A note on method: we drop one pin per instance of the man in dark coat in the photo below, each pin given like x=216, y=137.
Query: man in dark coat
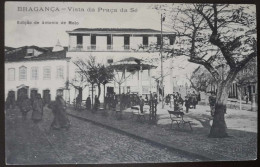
x=187, y=103
x=97, y=103
x=25, y=106
x=88, y=103
x=141, y=104
x=59, y=110
x=10, y=101
x=37, y=109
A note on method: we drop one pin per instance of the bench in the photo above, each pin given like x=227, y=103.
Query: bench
x=177, y=116
x=136, y=112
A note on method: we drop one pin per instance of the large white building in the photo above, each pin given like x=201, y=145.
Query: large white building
x=32, y=69
x=110, y=45
x=46, y=70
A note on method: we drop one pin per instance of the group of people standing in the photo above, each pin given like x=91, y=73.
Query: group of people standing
x=176, y=102
x=123, y=101
x=36, y=105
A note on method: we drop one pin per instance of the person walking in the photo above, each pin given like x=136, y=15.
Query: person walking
x=171, y=101
x=97, y=103
x=37, y=109
x=187, y=103
x=25, y=106
x=10, y=101
x=141, y=104
x=88, y=103
x=246, y=98
x=58, y=107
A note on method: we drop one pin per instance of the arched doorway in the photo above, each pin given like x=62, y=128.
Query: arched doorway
x=22, y=92
x=46, y=96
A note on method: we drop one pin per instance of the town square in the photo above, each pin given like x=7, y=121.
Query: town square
x=142, y=83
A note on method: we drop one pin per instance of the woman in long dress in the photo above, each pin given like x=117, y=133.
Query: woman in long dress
x=60, y=117
x=37, y=109
x=25, y=106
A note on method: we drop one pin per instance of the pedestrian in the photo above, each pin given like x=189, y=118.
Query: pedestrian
x=194, y=100
x=155, y=101
x=187, y=103
x=88, y=103
x=10, y=101
x=25, y=106
x=37, y=108
x=172, y=101
x=246, y=98
x=146, y=99
x=167, y=99
x=141, y=104
x=96, y=104
x=58, y=107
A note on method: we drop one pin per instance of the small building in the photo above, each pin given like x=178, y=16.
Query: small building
x=32, y=69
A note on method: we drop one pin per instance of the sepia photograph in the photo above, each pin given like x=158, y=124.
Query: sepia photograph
x=129, y=83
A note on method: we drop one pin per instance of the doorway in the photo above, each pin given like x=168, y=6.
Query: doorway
x=46, y=96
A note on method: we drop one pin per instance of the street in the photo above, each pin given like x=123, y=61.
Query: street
x=84, y=142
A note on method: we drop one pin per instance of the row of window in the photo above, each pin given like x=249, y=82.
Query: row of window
x=126, y=40
x=35, y=73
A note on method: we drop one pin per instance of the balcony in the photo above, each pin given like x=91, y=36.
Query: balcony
x=109, y=47
x=126, y=48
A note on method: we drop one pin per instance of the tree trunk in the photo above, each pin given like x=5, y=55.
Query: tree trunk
x=240, y=97
x=104, y=91
x=92, y=102
x=99, y=90
x=219, y=128
x=119, y=85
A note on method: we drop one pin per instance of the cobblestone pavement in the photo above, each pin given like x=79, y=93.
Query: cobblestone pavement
x=27, y=143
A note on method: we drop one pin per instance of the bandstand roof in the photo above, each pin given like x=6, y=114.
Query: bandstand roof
x=132, y=64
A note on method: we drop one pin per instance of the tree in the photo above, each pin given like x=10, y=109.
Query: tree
x=95, y=73
x=245, y=76
x=211, y=32
x=119, y=75
x=200, y=79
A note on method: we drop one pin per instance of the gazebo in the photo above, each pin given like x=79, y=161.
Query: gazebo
x=132, y=64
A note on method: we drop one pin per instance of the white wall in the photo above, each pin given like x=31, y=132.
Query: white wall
x=118, y=43
x=72, y=41
x=102, y=57
x=135, y=42
x=101, y=42
x=53, y=84
x=86, y=42
x=152, y=40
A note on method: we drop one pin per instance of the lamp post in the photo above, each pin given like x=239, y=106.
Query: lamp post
x=161, y=50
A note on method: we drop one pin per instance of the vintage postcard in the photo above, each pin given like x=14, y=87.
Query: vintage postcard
x=109, y=83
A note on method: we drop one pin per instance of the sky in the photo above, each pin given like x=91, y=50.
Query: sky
x=17, y=35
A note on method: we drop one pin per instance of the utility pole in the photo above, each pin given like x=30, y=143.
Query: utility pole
x=161, y=51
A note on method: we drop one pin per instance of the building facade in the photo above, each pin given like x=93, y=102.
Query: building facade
x=32, y=69
x=109, y=46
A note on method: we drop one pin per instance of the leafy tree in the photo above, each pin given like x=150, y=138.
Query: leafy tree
x=209, y=34
x=201, y=79
x=94, y=73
